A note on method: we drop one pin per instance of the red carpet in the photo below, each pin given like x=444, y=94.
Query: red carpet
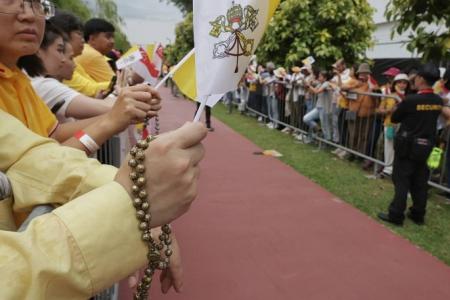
x=261, y=231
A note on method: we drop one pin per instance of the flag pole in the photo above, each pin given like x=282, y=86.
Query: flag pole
x=174, y=69
x=200, y=110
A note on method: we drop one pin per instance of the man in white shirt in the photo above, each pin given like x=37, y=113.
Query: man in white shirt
x=340, y=69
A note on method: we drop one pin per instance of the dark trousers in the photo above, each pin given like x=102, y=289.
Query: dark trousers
x=343, y=127
x=359, y=131
x=258, y=102
x=409, y=176
x=264, y=107
x=208, y=114
x=374, y=135
x=252, y=100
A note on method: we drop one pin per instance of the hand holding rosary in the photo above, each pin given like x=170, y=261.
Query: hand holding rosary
x=159, y=251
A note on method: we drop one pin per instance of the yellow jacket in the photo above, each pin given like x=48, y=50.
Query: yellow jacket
x=387, y=104
x=84, y=84
x=18, y=98
x=79, y=249
x=95, y=64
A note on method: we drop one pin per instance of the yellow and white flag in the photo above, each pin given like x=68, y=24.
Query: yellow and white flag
x=226, y=34
x=184, y=76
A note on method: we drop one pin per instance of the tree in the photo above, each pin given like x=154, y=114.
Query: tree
x=415, y=15
x=77, y=7
x=107, y=9
x=184, y=41
x=325, y=29
x=184, y=5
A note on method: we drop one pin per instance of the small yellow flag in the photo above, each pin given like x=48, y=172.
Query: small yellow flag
x=185, y=78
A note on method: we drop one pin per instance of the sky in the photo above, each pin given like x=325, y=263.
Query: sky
x=148, y=21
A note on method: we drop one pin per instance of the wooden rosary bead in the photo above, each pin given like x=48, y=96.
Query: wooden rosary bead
x=156, y=258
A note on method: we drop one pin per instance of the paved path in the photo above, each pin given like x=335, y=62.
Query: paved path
x=261, y=231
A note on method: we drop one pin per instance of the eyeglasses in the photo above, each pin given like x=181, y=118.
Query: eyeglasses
x=44, y=8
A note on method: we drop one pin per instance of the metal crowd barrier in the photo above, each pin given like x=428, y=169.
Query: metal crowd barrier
x=110, y=152
x=362, y=138
x=110, y=294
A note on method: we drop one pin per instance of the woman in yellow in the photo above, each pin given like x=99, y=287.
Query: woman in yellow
x=23, y=30
x=387, y=105
x=23, y=24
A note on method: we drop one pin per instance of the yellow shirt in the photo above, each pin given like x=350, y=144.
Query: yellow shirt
x=388, y=104
x=18, y=98
x=84, y=84
x=82, y=247
x=95, y=64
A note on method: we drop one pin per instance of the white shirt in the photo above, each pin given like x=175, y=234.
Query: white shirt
x=325, y=99
x=53, y=92
x=298, y=81
x=345, y=78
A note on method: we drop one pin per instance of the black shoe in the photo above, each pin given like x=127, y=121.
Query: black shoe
x=385, y=217
x=417, y=221
x=210, y=129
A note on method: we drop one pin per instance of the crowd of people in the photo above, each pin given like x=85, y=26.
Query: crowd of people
x=345, y=107
x=59, y=102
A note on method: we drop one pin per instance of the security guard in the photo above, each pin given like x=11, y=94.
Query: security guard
x=418, y=115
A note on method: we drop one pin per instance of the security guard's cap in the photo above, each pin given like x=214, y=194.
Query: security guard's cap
x=430, y=72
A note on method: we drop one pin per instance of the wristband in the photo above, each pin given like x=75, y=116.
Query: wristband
x=87, y=141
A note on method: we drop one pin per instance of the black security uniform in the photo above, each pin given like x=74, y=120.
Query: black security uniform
x=418, y=115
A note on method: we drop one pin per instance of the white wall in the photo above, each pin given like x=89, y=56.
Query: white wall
x=385, y=47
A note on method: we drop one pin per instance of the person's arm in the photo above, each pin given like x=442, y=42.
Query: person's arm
x=399, y=112
x=382, y=108
x=300, y=81
x=92, y=242
x=74, y=252
x=339, y=80
x=262, y=80
x=446, y=112
x=354, y=84
x=320, y=89
x=85, y=85
x=43, y=172
x=83, y=107
x=133, y=105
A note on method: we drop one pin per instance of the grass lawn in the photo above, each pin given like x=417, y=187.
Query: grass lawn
x=348, y=181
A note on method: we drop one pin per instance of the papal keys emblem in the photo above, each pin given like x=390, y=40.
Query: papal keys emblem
x=237, y=21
